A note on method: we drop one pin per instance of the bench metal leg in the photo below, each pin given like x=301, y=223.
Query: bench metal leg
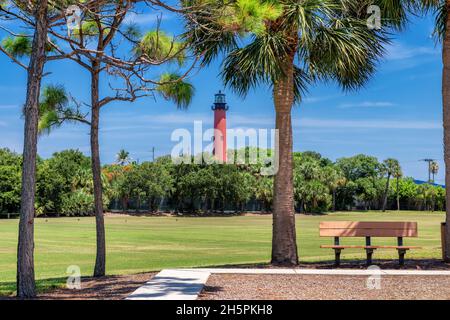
x=337, y=257
x=401, y=257
x=369, y=256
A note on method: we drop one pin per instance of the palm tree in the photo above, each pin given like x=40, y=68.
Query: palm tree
x=334, y=178
x=434, y=168
x=397, y=174
x=442, y=26
x=123, y=157
x=440, y=9
x=390, y=167
x=286, y=45
x=16, y=48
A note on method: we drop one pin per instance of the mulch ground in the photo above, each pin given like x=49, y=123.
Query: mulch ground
x=422, y=264
x=324, y=287
x=107, y=288
x=273, y=287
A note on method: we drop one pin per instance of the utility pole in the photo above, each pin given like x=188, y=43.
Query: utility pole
x=429, y=167
x=153, y=154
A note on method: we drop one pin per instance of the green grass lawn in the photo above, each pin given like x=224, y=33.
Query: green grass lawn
x=137, y=244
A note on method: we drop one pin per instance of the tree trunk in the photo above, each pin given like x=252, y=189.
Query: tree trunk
x=25, y=249
x=446, y=120
x=334, y=200
x=433, y=204
x=138, y=204
x=284, y=243
x=386, y=191
x=100, y=260
x=398, y=194
x=125, y=204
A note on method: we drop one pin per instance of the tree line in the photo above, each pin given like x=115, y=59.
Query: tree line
x=65, y=186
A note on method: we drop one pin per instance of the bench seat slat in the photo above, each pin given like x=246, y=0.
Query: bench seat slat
x=368, y=247
x=368, y=232
x=368, y=225
x=368, y=229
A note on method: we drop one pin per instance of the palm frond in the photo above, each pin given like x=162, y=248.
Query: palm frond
x=157, y=45
x=54, y=109
x=53, y=97
x=132, y=32
x=301, y=81
x=346, y=51
x=17, y=47
x=173, y=88
x=259, y=61
x=205, y=35
x=331, y=40
x=441, y=22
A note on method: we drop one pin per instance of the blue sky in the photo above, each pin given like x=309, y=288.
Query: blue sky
x=398, y=113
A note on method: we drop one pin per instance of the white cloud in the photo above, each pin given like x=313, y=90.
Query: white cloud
x=320, y=98
x=186, y=120
x=366, y=124
x=398, y=51
x=145, y=18
x=367, y=104
x=240, y=120
x=233, y=119
x=8, y=106
x=179, y=118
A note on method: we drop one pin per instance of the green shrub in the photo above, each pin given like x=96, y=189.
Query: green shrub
x=78, y=203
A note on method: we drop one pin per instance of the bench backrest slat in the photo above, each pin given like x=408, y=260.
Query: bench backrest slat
x=368, y=229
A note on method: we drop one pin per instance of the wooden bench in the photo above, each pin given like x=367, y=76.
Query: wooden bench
x=368, y=230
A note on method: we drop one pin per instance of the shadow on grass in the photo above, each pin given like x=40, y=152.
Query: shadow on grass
x=109, y=287
x=8, y=289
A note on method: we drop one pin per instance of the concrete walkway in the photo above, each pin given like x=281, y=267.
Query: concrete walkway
x=186, y=284
x=172, y=285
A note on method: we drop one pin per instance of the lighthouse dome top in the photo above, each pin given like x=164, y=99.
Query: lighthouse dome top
x=220, y=102
x=220, y=97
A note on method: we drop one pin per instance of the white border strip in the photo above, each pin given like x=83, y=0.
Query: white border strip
x=349, y=272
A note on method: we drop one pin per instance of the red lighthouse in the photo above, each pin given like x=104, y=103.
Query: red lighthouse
x=220, y=109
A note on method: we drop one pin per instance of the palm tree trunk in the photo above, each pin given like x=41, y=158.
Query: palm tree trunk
x=284, y=243
x=124, y=204
x=386, y=191
x=25, y=249
x=334, y=200
x=138, y=204
x=398, y=195
x=446, y=120
x=100, y=261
